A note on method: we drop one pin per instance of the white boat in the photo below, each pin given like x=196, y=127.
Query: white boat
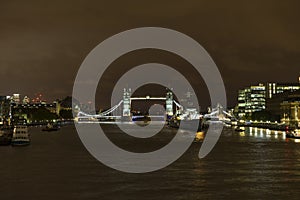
x=191, y=120
x=293, y=134
x=20, y=136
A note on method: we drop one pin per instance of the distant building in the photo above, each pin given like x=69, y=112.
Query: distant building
x=290, y=108
x=258, y=97
x=277, y=88
x=15, y=98
x=273, y=104
x=26, y=100
x=22, y=113
x=4, y=110
x=251, y=99
x=57, y=106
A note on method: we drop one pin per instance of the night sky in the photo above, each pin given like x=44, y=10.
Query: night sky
x=43, y=43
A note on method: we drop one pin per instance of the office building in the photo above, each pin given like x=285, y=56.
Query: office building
x=251, y=99
x=290, y=108
x=259, y=97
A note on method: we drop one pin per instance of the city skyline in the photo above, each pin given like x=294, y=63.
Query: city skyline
x=43, y=46
x=112, y=100
x=158, y=91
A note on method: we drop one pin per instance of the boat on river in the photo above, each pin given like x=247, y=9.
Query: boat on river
x=20, y=136
x=51, y=127
x=293, y=134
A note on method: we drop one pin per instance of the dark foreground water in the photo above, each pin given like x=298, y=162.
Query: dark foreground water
x=255, y=164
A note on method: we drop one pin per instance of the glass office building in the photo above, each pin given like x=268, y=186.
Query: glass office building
x=251, y=99
x=254, y=98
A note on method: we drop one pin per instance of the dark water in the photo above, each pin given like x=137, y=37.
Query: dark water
x=253, y=165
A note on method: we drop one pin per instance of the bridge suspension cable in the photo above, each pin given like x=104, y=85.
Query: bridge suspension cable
x=100, y=114
x=177, y=104
x=111, y=109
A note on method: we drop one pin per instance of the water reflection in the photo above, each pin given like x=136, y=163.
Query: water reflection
x=199, y=136
x=251, y=164
x=264, y=133
x=242, y=134
x=297, y=140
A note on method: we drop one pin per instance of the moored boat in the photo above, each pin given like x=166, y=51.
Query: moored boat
x=20, y=136
x=293, y=134
x=51, y=127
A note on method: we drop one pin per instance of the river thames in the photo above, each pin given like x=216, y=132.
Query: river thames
x=255, y=164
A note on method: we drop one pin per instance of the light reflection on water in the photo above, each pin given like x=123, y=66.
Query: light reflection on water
x=264, y=133
x=297, y=140
x=253, y=164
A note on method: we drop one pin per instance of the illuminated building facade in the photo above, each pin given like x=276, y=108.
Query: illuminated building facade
x=291, y=109
x=251, y=99
x=16, y=98
x=277, y=88
x=255, y=98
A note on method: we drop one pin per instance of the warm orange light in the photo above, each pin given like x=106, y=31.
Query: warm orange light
x=199, y=135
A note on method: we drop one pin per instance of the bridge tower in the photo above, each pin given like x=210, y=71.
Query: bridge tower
x=169, y=103
x=220, y=110
x=126, y=102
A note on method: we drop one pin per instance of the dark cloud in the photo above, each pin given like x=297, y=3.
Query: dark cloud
x=42, y=43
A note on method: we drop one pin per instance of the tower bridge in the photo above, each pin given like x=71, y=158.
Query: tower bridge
x=125, y=106
x=127, y=100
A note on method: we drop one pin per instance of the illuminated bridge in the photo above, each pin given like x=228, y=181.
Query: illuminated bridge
x=125, y=105
x=218, y=113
